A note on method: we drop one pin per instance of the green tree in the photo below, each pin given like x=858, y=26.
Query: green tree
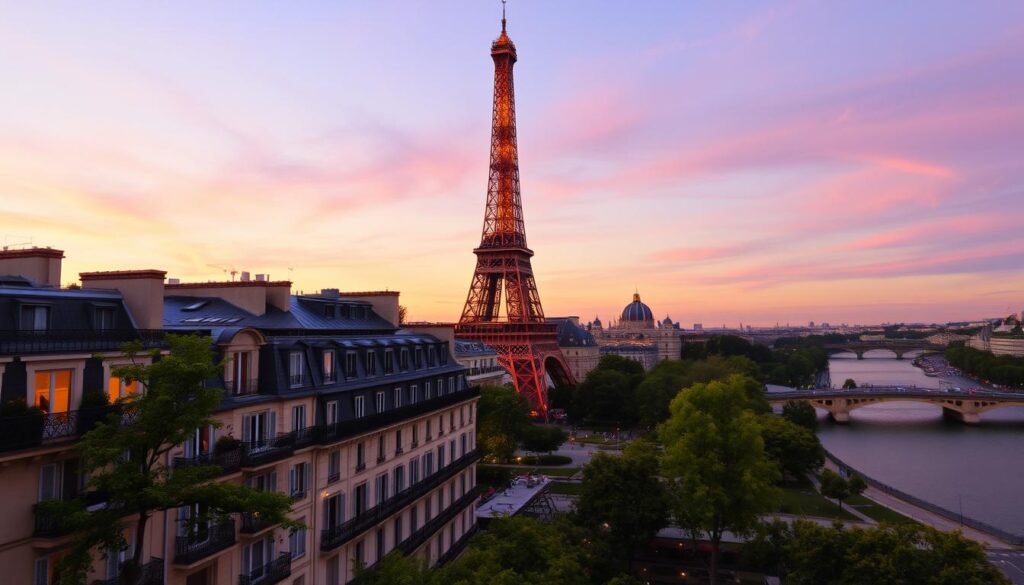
x=796, y=450
x=394, y=569
x=905, y=554
x=849, y=384
x=542, y=438
x=125, y=462
x=623, y=497
x=607, y=395
x=714, y=454
x=669, y=377
x=801, y=413
x=502, y=417
x=839, y=489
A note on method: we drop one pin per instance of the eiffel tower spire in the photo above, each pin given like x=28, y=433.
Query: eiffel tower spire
x=527, y=346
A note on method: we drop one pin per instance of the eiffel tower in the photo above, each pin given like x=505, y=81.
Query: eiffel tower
x=526, y=345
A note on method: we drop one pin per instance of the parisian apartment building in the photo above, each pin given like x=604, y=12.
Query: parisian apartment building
x=368, y=426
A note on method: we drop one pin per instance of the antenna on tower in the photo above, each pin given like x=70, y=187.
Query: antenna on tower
x=503, y=15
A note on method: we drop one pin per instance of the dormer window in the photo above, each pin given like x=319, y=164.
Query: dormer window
x=330, y=311
x=35, y=318
x=419, y=357
x=403, y=359
x=431, y=356
x=371, y=363
x=295, y=368
x=103, y=318
x=389, y=361
x=350, y=364
x=330, y=373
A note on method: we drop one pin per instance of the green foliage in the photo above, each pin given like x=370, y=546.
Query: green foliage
x=839, y=489
x=502, y=417
x=606, y=395
x=714, y=454
x=909, y=554
x=849, y=384
x=542, y=438
x=1004, y=369
x=800, y=413
x=793, y=362
x=18, y=407
x=395, y=569
x=623, y=497
x=174, y=405
x=667, y=378
x=93, y=400
x=796, y=450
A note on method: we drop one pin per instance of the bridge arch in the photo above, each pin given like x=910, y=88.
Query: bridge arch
x=962, y=407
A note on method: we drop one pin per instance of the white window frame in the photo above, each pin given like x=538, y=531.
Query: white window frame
x=381, y=401
x=296, y=369
x=359, y=406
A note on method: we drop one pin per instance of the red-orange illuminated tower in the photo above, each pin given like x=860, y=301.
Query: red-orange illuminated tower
x=526, y=345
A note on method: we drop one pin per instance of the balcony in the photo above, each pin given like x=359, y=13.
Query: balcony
x=336, y=536
x=229, y=460
x=32, y=430
x=253, y=523
x=295, y=380
x=47, y=524
x=151, y=573
x=242, y=387
x=456, y=549
x=203, y=543
x=416, y=539
x=270, y=573
x=256, y=453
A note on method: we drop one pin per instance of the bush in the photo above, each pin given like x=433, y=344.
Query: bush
x=227, y=443
x=546, y=460
x=22, y=425
x=493, y=476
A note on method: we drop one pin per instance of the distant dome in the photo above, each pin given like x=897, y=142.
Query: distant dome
x=636, y=312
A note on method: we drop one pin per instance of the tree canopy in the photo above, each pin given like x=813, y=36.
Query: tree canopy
x=665, y=380
x=502, y=417
x=714, y=454
x=800, y=413
x=796, y=450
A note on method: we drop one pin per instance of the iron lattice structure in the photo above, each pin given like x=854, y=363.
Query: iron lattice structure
x=526, y=345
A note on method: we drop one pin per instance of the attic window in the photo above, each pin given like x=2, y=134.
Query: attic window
x=195, y=306
x=329, y=311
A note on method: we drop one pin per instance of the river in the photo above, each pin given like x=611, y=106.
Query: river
x=977, y=469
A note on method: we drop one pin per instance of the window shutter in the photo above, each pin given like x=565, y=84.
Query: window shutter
x=272, y=431
x=246, y=428
x=291, y=480
x=42, y=576
x=246, y=559
x=307, y=481
x=273, y=481
x=47, y=481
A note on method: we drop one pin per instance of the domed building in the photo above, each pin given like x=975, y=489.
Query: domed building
x=636, y=315
x=638, y=336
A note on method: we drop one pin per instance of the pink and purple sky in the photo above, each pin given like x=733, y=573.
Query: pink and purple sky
x=737, y=162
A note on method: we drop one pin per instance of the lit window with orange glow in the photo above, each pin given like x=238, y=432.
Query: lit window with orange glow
x=53, y=390
x=118, y=388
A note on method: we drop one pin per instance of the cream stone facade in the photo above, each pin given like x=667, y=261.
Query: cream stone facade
x=370, y=429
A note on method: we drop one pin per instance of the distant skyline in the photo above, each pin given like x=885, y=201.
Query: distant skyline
x=735, y=162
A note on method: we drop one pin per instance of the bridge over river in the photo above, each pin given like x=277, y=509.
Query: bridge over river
x=960, y=405
x=897, y=346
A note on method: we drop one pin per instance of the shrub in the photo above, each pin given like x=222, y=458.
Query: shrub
x=227, y=443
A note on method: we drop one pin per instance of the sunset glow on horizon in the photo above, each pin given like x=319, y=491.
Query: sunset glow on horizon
x=759, y=163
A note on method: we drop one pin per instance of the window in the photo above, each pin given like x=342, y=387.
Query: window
x=255, y=557
x=380, y=449
x=451, y=450
x=242, y=381
x=266, y=482
x=297, y=541
x=431, y=356
x=399, y=479
x=332, y=410
x=428, y=464
x=42, y=572
x=361, y=502
x=418, y=357
x=360, y=457
x=295, y=368
x=350, y=364
x=53, y=390
x=398, y=397
x=380, y=543
x=330, y=375
x=371, y=363
x=299, y=417
x=414, y=394
x=462, y=444
x=426, y=390
x=440, y=456
x=415, y=435
x=381, y=402
x=451, y=420
x=259, y=428
x=414, y=471
x=50, y=481
x=360, y=554
x=359, y=406
x=440, y=425
x=104, y=318
x=200, y=443
x=398, y=442
x=118, y=388
x=440, y=386
x=333, y=466
x=35, y=318
x=428, y=510
x=389, y=361
x=334, y=511
x=298, y=480
x=444, y=355
x=398, y=530
x=403, y=359
x=414, y=518
x=451, y=384
x=429, y=436
x=380, y=489
x=462, y=417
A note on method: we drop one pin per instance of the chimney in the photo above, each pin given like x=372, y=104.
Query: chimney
x=143, y=292
x=261, y=278
x=245, y=276
x=385, y=303
x=41, y=265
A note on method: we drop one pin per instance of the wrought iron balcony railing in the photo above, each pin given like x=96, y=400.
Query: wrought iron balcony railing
x=229, y=460
x=31, y=430
x=253, y=522
x=270, y=573
x=417, y=538
x=456, y=549
x=201, y=544
x=331, y=538
x=242, y=387
x=151, y=573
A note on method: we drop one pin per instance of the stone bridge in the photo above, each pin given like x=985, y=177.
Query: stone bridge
x=963, y=406
x=897, y=346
